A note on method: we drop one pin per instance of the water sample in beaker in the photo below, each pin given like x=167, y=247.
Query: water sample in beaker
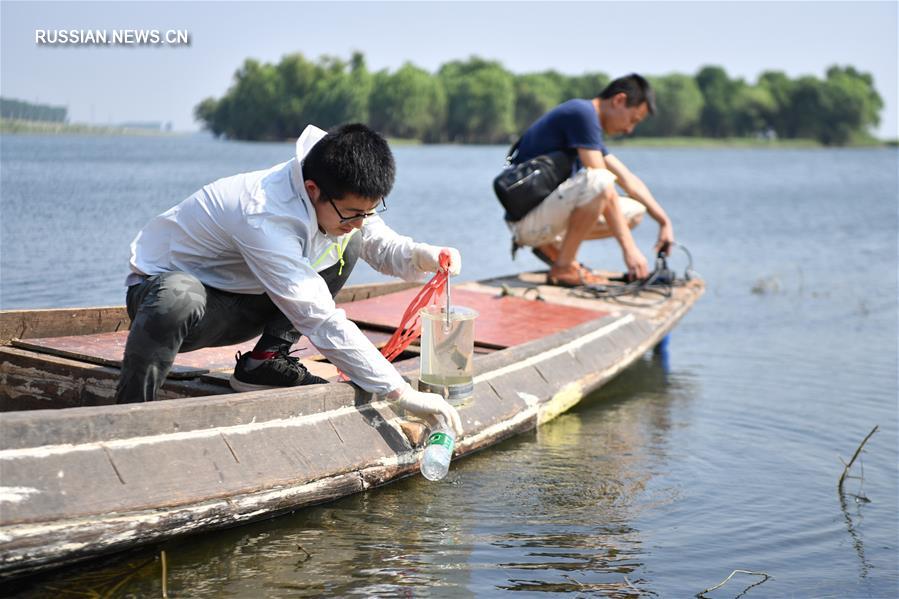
x=447, y=348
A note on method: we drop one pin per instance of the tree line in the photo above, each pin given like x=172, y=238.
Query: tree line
x=480, y=101
x=27, y=111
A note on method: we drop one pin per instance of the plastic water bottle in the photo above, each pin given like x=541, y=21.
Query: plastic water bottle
x=436, y=458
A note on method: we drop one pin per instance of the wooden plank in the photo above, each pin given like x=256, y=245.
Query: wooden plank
x=23, y=324
x=34, y=381
x=534, y=292
x=359, y=292
x=79, y=484
x=110, y=422
x=105, y=349
x=502, y=321
x=532, y=285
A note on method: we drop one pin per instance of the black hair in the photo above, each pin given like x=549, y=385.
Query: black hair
x=351, y=159
x=635, y=87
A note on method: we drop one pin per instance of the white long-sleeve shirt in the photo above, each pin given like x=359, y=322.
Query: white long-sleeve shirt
x=258, y=233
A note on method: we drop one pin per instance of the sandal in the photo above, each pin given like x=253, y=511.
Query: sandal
x=585, y=279
x=560, y=283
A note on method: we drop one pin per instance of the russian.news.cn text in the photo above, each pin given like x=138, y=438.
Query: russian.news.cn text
x=111, y=37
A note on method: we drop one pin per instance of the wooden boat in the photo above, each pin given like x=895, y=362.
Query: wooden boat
x=80, y=477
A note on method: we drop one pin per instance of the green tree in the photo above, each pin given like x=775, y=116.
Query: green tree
x=852, y=105
x=250, y=108
x=837, y=110
x=588, y=85
x=718, y=91
x=679, y=105
x=808, y=108
x=752, y=106
x=298, y=77
x=340, y=92
x=535, y=94
x=480, y=101
x=207, y=113
x=409, y=103
x=781, y=89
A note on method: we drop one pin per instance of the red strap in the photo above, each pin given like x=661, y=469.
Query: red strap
x=410, y=326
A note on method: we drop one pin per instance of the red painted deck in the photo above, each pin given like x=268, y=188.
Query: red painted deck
x=502, y=321
x=107, y=349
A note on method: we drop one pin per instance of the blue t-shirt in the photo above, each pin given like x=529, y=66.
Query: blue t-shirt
x=571, y=125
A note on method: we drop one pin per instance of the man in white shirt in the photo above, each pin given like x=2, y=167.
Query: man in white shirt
x=264, y=253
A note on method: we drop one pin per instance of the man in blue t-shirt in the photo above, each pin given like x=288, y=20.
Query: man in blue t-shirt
x=586, y=205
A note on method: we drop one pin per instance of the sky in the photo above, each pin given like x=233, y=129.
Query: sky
x=107, y=84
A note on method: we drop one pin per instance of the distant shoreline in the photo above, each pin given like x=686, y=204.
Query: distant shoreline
x=8, y=126
x=740, y=142
x=49, y=128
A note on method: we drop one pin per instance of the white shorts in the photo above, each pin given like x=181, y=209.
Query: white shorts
x=548, y=222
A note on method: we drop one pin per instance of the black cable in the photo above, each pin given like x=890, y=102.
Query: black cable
x=660, y=281
x=689, y=273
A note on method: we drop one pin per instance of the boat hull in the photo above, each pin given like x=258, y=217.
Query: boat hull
x=89, y=481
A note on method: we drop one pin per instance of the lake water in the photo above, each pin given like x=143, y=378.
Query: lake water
x=660, y=484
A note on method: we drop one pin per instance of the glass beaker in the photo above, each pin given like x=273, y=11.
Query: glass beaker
x=446, y=351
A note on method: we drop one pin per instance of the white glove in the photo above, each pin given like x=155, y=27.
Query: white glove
x=426, y=258
x=426, y=404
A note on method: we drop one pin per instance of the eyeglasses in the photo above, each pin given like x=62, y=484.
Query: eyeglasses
x=349, y=219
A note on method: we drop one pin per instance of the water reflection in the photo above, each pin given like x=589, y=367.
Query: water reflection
x=111, y=577
x=662, y=353
x=583, y=484
x=852, y=525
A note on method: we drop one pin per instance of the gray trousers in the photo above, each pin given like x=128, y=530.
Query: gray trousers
x=174, y=312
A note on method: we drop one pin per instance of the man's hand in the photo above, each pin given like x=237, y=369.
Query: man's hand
x=426, y=258
x=636, y=263
x=426, y=405
x=637, y=189
x=666, y=239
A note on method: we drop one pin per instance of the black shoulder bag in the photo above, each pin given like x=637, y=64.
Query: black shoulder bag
x=521, y=187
